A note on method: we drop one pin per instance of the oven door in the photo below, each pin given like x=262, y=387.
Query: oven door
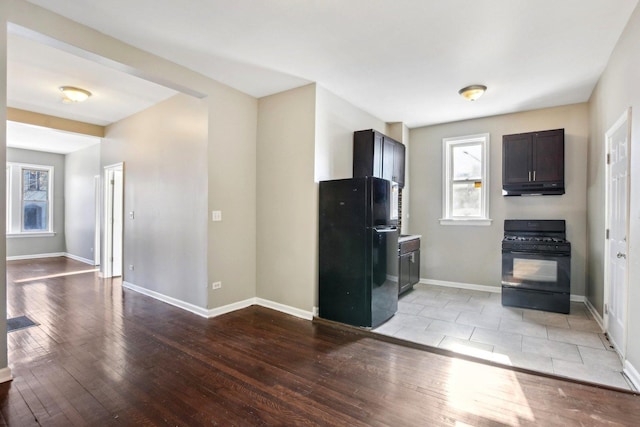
x=540, y=271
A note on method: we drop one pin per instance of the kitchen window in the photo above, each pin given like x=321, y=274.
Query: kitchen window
x=29, y=200
x=465, y=181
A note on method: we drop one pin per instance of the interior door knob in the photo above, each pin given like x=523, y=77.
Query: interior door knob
x=621, y=255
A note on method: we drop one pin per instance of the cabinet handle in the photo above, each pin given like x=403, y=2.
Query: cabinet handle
x=534, y=175
x=529, y=176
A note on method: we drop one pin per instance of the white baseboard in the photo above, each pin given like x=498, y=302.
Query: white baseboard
x=632, y=373
x=594, y=313
x=169, y=300
x=303, y=314
x=484, y=288
x=81, y=259
x=213, y=312
x=50, y=255
x=5, y=375
x=471, y=286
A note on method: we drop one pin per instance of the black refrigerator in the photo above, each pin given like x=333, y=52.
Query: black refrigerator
x=358, y=252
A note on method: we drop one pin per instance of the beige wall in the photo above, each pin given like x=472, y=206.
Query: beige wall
x=336, y=120
x=305, y=135
x=4, y=13
x=229, y=253
x=164, y=153
x=287, y=198
x=232, y=190
x=616, y=91
x=472, y=254
x=81, y=168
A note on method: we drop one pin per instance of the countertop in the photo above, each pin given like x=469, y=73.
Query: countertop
x=407, y=237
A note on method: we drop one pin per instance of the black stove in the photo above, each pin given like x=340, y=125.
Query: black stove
x=536, y=265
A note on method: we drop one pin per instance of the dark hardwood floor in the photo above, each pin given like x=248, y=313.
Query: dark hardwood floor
x=104, y=356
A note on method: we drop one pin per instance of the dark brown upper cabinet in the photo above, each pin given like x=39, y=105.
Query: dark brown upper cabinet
x=533, y=163
x=375, y=154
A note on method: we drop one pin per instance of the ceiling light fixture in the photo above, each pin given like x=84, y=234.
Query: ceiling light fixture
x=74, y=94
x=472, y=92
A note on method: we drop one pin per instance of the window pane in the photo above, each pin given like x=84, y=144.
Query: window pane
x=35, y=197
x=35, y=216
x=35, y=184
x=467, y=163
x=466, y=199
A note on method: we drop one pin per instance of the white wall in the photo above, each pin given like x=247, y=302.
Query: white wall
x=81, y=168
x=23, y=246
x=617, y=90
x=472, y=254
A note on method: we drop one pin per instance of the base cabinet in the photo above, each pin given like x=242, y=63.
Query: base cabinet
x=409, y=265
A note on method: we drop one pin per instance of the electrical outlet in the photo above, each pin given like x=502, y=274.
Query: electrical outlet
x=216, y=285
x=131, y=267
x=216, y=216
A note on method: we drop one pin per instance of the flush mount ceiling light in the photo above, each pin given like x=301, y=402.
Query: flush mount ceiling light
x=74, y=94
x=472, y=92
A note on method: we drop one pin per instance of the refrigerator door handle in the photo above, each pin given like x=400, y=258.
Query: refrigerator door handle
x=385, y=229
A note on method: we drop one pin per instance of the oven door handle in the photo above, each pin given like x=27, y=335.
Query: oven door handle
x=557, y=254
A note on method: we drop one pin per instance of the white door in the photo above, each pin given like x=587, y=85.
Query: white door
x=113, y=215
x=617, y=140
x=117, y=222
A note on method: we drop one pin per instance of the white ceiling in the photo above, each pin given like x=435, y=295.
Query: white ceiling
x=35, y=71
x=29, y=137
x=400, y=60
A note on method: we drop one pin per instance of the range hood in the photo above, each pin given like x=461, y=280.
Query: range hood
x=534, y=189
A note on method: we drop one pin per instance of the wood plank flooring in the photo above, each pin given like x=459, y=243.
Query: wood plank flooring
x=104, y=356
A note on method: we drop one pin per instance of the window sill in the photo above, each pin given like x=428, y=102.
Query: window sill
x=35, y=234
x=474, y=222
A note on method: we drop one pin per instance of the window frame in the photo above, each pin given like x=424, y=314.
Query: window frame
x=448, y=144
x=15, y=200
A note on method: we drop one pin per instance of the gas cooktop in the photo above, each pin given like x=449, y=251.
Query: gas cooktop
x=535, y=236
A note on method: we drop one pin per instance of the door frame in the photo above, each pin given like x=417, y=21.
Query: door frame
x=109, y=214
x=623, y=120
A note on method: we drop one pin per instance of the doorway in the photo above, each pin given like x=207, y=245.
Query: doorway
x=617, y=141
x=113, y=216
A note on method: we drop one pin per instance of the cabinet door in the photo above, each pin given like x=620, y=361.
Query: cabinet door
x=367, y=153
x=388, y=148
x=516, y=158
x=404, y=273
x=398, y=163
x=414, y=267
x=548, y=156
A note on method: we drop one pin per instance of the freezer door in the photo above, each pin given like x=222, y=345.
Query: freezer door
x=380, y=202
x=343, y=203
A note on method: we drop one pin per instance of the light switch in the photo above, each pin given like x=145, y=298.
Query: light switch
x=216, y=215
x=131, y=215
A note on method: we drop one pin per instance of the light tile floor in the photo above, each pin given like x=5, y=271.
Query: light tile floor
x=475, y=323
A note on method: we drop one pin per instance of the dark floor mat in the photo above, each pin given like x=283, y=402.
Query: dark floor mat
x=21, y=322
